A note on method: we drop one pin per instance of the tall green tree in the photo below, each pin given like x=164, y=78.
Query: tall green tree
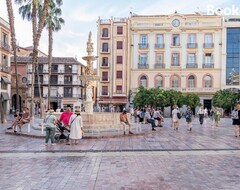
x=225, y=99
x=29, y=9
x=192, y=100
x=53, y=23
x=140, y=99
x=173, y=97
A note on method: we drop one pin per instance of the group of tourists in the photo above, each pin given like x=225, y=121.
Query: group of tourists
x=70, y=120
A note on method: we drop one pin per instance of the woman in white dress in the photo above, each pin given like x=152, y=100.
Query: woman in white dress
x=76, y=124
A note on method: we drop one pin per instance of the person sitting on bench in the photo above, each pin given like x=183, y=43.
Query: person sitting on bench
x=25, y=118
x=17, y=118
x=124, y=121
x=150, y=120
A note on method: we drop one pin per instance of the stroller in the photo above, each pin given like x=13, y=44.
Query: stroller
x=64, y=132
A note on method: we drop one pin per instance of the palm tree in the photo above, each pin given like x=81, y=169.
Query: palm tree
x=29, y=9
x=54, y=23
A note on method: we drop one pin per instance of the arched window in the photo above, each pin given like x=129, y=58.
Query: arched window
x=143, y=81
x=208, y=81
x=175, y=82
x=191, y=81
x=159, y=81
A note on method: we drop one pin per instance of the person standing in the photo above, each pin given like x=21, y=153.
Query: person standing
x=188, y=117
x=175, y=119
x=50, y=121
x=201, y=115
x=65, y=116
x=76, y=124
x=236, y=120
x=216, y=116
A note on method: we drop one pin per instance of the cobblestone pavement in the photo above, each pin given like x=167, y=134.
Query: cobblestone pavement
x=206, y=158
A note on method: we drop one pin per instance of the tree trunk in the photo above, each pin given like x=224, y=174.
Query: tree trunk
x=13, y=42
x=37, y=31
x=50, y=43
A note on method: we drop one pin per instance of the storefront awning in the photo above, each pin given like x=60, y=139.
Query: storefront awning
x=5, y=96
x=6, y=80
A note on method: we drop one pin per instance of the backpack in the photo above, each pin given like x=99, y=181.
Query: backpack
x=187, y=116
x=179, y=115
x=234, y=114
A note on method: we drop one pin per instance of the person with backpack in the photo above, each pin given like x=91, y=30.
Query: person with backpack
x=188, y=117
x=236, y=119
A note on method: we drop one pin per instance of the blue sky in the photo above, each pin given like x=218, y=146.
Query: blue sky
x=81, y=16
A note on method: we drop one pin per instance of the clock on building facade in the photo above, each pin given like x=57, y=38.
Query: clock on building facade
x=176, y=23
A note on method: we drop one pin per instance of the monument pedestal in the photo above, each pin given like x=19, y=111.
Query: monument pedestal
x=88, y=107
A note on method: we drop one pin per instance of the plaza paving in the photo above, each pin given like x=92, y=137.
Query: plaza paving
x=206, y=158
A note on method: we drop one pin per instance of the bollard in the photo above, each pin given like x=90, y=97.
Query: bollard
x=42, y=128
x=29, y=128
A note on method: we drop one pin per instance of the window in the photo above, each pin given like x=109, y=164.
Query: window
x=119, y=89
x=175, y=82
x=105, y=61
x=67, y=79
x=54, y=68
x=143, y=81
x=160, y=39
x=143, y=59
x=5, y=60
x=175, y=59
x=208, y=59
x=54, y=79
x=68, y=91
x=40, y=77
x=104, y=90
x=68, y=68
x=159, y=58
x=159, y=81
x=191, y=81
x=119, y=60
x=208, y=41
x=119, y=44
x=105, y=32
x=176, y=40
x=119, y=74
x=191, y=59
x=119, y=30
x=143, y=39
x=104, y=76
x=208, y=81
x=192, y=38
x=105, y=47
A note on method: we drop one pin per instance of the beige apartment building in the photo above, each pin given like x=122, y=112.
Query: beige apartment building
x=5, y=76
x=176, y=51
x=113, y=65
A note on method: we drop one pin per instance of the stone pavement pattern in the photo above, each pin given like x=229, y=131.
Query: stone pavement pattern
x=207, y=158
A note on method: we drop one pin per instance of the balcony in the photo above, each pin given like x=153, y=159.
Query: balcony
x=143, y=46
x=105, y=36
x=208, y=45
x=5, y=68
x=68, y=82
x=143, y=66
x=191, y=65
x=104, y=93
x=208, y=65
x=104, y=65
x=159, y=46
x=54, y=70
x=5, y=46
x=67, y=95
x=159, y=66
x=105, y=79
x=105, y=50
x=191, y=45
x=119, y=92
